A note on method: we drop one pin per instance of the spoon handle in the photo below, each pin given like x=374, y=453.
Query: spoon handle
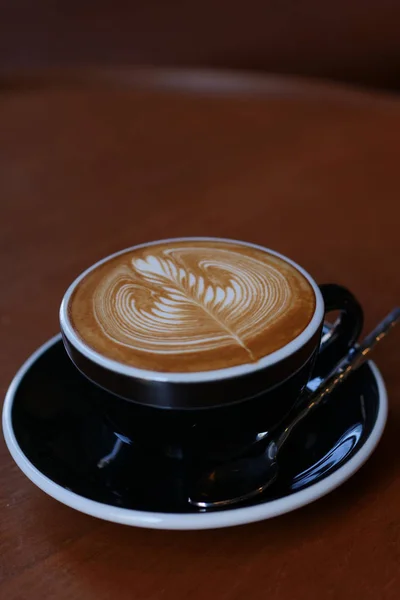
x=352, y=361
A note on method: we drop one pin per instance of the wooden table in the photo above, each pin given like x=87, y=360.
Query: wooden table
x=94, y=162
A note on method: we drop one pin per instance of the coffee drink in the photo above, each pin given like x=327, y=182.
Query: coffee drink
x=191, y=305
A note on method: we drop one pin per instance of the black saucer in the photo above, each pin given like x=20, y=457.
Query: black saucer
x=68, y=443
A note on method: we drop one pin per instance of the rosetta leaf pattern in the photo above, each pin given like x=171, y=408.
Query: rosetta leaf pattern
x=178, y=302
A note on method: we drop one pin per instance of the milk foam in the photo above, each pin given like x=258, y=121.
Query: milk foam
x=189, y=299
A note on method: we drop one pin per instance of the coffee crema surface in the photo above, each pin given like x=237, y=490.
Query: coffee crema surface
x=191, y=306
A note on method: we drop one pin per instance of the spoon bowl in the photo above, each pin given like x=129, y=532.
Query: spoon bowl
x=229, y=484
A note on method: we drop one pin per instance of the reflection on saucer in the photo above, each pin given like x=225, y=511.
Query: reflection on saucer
x=335, y=456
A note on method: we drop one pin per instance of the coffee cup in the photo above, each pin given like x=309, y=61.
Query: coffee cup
x=206, y=335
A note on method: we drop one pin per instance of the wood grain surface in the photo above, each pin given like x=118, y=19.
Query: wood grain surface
x=310, y=171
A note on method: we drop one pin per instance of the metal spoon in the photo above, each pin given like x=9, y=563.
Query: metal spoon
x=239, y=480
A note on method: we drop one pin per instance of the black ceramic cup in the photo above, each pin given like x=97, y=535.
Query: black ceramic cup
x=217, y=404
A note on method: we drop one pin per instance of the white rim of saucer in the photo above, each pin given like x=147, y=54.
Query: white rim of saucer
x=201, y=376
x=183, y=521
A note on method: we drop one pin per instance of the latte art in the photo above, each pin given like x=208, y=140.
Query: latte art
x=160, y=305
x=191, y=306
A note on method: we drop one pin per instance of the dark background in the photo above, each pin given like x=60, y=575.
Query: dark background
x=354, y=41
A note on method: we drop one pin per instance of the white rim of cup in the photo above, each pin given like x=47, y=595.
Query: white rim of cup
x=183, y=521
x=201, y=376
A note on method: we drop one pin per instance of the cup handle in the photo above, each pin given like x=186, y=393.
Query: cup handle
x=347, y=328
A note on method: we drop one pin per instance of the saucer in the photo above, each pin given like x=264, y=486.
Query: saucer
x=70, y=452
